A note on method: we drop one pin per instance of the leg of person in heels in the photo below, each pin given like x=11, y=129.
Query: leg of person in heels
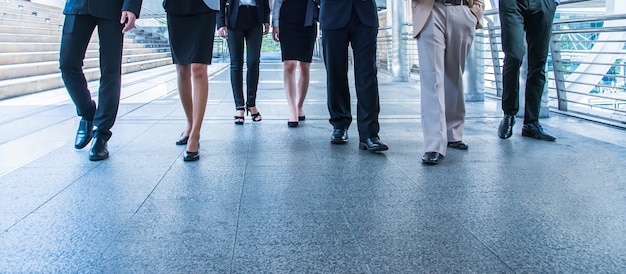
x=193, y=87
x=295, y=28
x=296, y=91
x=191, y=29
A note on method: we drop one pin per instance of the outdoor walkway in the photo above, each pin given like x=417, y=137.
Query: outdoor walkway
x=265, y=198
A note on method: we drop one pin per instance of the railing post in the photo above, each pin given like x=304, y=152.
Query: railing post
x=474, y=76
x=494, y=46
x=557, y=69
x=399, y=62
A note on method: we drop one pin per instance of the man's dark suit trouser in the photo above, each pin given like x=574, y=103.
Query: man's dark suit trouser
x=533, y=17
x=77, y=31
x=335, y=44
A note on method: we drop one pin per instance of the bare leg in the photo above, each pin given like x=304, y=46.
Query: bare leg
x=289, y=73
x=200, y=96
x=303, y=85
x=184, y=91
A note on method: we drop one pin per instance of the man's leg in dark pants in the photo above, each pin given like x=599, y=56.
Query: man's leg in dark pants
x=363, y=40
x=538, y=31
x=77, y=31
x=512, y=23
x=335, y=45
x=111, y=43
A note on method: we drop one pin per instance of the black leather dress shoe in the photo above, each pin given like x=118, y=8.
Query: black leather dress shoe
x=98, y=150
x=431, y=158
x=191, y=156
x=458, y=145
x=83, y=134
x=182, y=140
x=373, y=144
x=340, y=136
x=505, y=130
x=534, y=130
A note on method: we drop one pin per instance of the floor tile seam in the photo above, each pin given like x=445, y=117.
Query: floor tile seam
x=173, y=162
x=356, y=240
x=441, y=207
x=240, y=208
x=136, y=211
x=343, y=213
x=49, y=199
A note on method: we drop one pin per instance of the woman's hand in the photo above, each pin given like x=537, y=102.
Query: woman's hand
x=266, y=28
x=223, y=32
x=275, y=34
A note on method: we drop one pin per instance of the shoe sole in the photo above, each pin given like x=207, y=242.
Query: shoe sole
x=530, y=135
x=339, y=142
x=363, y=146
x=458, y=147
x=98, y=158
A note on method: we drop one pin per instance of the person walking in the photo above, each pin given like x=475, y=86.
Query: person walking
x=294, y=25
x=354, y=23
x=191, y=29
x=444, y=30
x=113, y=18
x=530, y=21
x=239, y=21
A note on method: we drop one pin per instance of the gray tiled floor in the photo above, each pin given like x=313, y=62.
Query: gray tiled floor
x=265, y=198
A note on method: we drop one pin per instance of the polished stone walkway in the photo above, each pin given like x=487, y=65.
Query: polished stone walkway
x=265, y=198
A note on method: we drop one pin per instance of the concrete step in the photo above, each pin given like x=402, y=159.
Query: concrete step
x=6, y=47
x=29, y=6
x=14, y=71
x=11, y=30
x=29, y=23
x=23, y=86
x=29, y=38
x=43, y=56
x=36, y=46
x=34, y=16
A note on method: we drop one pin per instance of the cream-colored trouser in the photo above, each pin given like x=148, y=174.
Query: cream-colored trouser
x=443, y=45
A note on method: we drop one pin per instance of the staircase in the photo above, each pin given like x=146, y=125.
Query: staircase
x=30, y=36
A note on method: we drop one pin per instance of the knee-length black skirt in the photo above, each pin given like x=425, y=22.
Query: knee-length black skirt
x=297, y=41
x=191, y=37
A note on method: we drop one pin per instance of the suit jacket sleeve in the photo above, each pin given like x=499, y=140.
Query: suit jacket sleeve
x=266, y=11
x=133, y=6
x=276, y=12
x=312, y=13
x=220, y=19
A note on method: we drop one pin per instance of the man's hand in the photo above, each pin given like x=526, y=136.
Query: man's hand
x=128, y=19
x=275, y=34
x=223, y=32
x=266, y=28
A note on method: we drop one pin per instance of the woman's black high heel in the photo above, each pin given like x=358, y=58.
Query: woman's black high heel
x=292, y=124
x=256, y=117
x=182, y=140
x=240, y=119
x=189, y=156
